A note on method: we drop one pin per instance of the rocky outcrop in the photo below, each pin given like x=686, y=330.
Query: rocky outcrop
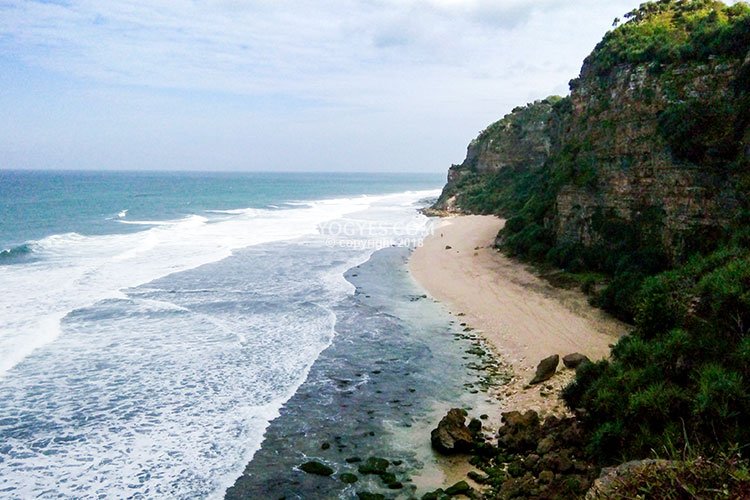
x=651, y=150
x=546, y=369
x=575, y=360
x=452, y=435
x=630, y=172
x=538, y=460
x=522, y=140
x=607, y=483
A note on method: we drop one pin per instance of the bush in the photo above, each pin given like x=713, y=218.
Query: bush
x=682, y=374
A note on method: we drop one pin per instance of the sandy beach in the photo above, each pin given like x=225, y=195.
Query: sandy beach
x=522, y=316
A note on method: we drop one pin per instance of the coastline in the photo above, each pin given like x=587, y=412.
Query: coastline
x=520, y=315
x=397, y=364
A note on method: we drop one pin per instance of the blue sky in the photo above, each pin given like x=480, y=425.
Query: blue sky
x=370, y=85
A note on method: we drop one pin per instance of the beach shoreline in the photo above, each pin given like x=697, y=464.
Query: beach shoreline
x=522, y=317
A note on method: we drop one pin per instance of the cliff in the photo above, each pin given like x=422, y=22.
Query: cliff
x=649, y=151
x=521, y=141
x=637, y=186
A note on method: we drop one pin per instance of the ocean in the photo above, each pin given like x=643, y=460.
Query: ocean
x=173, y=335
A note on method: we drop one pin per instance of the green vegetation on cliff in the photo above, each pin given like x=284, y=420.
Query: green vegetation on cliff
x=642, y=183
x=667, y=32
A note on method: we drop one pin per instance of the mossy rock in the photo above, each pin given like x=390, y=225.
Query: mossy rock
x=388, y=478
x=316, y=468
x=460, y=488
x=348, y=478
x=477, y=477
x=374, y=465
x=438, y=494
x=365, y=495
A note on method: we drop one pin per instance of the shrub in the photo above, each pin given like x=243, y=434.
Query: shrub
x=684, y=370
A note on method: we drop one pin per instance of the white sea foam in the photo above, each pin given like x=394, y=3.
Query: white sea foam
x=159, y=398
x=77, y=270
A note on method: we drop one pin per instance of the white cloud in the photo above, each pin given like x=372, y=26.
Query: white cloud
x=317, y=49
x=449, y=66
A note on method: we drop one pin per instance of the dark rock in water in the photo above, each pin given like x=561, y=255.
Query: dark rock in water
x=364, y=495
x=352, y=460
x=520, y=432
x=325, y=446
x=374, y=465
x=434, y=495
x=388, y=478
x=348, y=478
x=448, y=247
x=316, y=468
x=575, y=360
x=546, y=368
x=460, y=488
x=451, y=434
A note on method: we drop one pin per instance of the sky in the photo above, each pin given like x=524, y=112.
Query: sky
x=277, y=85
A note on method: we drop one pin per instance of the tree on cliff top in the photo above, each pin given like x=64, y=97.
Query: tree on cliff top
x=669, y=31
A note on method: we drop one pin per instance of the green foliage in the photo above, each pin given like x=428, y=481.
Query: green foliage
x=673, y=31
x=682, y=375
x=703, y=131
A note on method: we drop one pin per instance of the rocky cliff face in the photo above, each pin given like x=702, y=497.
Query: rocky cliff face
x=617, y=131
x=522, y=140
x=658, y=146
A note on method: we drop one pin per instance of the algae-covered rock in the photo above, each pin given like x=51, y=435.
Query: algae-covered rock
x=366, y=495
x=460, y=488
x=316, y=468
x=374, y=465
x=348, y=478
x=438, y=494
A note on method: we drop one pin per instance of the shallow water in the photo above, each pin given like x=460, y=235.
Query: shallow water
x=395, y=365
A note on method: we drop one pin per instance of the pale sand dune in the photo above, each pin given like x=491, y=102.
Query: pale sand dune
x=523, y=317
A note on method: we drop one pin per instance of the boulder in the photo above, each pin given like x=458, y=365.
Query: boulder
x=546, y=368
x=610, y=477
x=374, y=465
x=460, y=488
x=316, y=468
x=520, y=431
x=575, y=360
x=348, y=478
x=546, y=476
x=452, y=435
x=545, y=445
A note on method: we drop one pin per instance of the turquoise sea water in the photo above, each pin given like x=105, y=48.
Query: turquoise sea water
x=37, y=204
x=153, y=324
